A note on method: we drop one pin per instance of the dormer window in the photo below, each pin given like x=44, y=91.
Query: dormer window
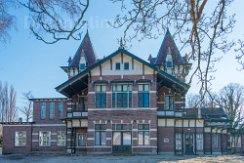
x=169, y=59
x=82, y=66
x=117, y=66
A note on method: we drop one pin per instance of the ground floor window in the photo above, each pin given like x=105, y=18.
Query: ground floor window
x=44, y=138
x=143, y=134
x=121, y=138
x=100, y=134
x=199, y=141
x=20, y=138
x=215, y=141
x=61, y=138
x=178, y=141
x=235, y=141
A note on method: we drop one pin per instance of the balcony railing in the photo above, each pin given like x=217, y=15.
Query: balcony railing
x=76, y=110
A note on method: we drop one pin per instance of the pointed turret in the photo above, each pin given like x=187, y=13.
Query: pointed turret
x=83, y=58
x=169, y=58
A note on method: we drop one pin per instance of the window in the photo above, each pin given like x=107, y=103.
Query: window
x=61, y=138
x=169, y=64
x=235, y=141
x=117, y=66
x=143, y=134
x=60, y=110
x=100, y=135
x=199, y=141
x=82, y=66
x=122, y=96
x=20, y=138
x=126, y=66
x=43, y=110
x=169, y=102
x=81, y=139
x=52, y=110
x=143, y=95
x=178, y=141
x=122, y=134
x=101, y=96
x=215, y=142
x=44, y=138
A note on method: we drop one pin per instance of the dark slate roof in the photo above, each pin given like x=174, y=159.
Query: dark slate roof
x=165, y=75
x=90, y=56
x=207, y=113
x=162, y=53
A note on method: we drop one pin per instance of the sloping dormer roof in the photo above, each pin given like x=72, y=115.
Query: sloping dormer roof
x=162, y=53
x=89, y=53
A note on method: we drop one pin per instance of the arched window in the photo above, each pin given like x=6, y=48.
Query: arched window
x=169, y=59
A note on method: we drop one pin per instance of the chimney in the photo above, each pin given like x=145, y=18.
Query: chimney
x=199, y=114
x=20, y=119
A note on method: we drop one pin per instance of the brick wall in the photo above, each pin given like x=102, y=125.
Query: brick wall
x=9, y=139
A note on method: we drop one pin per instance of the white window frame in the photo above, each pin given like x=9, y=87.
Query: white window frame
x=17, y=142
x=61, y=141
x=41, y=139
x=199, y=138
x=178, y=141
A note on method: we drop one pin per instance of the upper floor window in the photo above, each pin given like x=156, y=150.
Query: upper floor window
x=143, y=95
x=52, y=110
x=122, y=96
x=20, y=138
x=126, y=66
x=117, y=66
x=43, y=110
x=60, y=110
x=101, y=96
x=169, y=59
x=169, y=102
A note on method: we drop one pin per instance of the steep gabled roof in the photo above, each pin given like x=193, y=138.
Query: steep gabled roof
x=162, y=53
x=84, y=73
x=86, y=47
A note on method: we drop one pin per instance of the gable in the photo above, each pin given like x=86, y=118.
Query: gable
x=135, y=67
x=168, y=42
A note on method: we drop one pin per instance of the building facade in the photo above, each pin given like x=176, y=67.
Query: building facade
x=121, y=104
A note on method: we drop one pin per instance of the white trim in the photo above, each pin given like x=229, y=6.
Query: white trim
x=153, y=138
x=49, y=125
x=108, y=130
x=102, y=109
x=16, y=125
x=152, y=129
x=144, y=146
x=91, y=92
x=108, y=138
x=90, y=130
x=90, y=139
x=152, y=91
x=134, y=138
x=35, y=134
x=98, y=146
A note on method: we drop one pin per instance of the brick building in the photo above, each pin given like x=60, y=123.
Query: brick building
x=121, y=104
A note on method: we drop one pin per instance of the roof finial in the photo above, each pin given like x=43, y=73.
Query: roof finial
x=121, y=44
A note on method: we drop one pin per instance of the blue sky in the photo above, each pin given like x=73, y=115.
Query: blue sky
x=31, y=65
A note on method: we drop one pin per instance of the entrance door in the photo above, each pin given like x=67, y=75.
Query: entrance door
x=189, y=143
x=122, y=142
x=81, y=139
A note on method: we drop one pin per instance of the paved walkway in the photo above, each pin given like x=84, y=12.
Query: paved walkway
x=44, y=158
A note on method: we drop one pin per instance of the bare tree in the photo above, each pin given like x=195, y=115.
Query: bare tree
x=55, y=20
x=240, y=55
x=7, y=103
x=201, y=25
x=6, y=20
x=231, y=98
x=27, y=108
